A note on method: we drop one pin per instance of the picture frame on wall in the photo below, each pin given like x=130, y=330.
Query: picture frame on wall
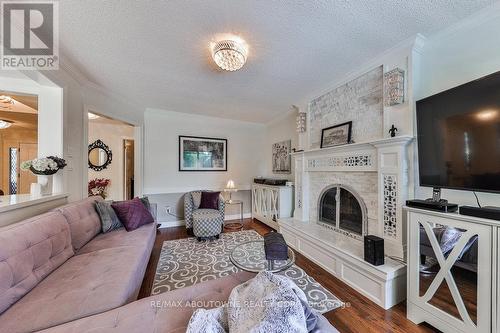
x=281, y=158
x=336, y=135
x=202, y=153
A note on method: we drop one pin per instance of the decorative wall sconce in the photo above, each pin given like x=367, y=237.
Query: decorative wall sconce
x=394, y=82
x=301, y=120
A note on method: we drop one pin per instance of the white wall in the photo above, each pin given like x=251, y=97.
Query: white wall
x=112, y=135
x=281, y=129
x=163, y=181
x=462, y=53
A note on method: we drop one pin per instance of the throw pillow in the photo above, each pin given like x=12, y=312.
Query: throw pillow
x=209, y=200
x=109, y=220
x=132, y=213
x=151, y=208
x=145, y=202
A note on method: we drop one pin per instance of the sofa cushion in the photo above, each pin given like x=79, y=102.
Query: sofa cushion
x=86, y=284
x=142, y=237
x=83, y=220
x=29, y=251
x=168, y=312
x=132, y=213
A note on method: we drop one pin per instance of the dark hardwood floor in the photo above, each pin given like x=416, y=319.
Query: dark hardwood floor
x=362, y=315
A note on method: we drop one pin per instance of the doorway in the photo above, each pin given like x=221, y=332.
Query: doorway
x=18, y=141
x=111, y=158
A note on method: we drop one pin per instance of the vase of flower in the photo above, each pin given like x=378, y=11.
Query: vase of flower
x=45, y=168
x=98, y=186
x=46, y=184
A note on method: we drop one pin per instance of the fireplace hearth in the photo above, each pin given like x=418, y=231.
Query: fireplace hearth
x=343, y=210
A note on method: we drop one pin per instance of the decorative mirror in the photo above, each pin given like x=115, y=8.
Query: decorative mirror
x=100, y=156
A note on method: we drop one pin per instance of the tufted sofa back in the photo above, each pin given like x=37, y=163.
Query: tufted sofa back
x=83, y=220
x=29, y=251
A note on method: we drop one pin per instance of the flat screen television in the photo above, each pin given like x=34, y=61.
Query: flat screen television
x=458, y=133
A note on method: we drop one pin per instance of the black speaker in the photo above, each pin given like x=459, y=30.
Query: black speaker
x=374, y=250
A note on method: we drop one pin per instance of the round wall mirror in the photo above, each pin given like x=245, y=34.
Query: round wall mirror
x=100, y=156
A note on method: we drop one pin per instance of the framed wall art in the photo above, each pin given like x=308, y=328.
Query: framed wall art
x=202, y=154
x=282, y=161
x=336, y=135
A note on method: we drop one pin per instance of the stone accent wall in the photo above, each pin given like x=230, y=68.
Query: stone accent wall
x=364, y=183
x=359, y=101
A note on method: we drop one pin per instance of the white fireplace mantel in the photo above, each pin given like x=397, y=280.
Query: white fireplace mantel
x=378, y=169
x=387, y=157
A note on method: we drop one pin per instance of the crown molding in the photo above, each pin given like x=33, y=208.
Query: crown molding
x=406, y=46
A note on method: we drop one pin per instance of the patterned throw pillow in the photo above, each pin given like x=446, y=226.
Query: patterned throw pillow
x=209, y=200
x=132, y=213
x=109, y=220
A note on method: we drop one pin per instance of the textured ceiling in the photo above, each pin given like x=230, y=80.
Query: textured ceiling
x=156, y=52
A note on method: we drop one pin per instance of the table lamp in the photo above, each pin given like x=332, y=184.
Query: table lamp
x=230, y=188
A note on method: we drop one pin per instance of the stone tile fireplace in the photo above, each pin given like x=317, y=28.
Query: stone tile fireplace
x=343, y=193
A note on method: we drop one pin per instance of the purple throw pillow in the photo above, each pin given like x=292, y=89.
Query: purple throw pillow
x=210, y=200
x=132, y=213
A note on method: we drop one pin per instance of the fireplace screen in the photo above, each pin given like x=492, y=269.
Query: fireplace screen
x=342, y=209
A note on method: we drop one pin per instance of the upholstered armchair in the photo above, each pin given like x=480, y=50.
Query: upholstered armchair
x=202, y=223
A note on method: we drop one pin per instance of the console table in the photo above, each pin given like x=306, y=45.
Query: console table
x=269, y=203
x=454, y=287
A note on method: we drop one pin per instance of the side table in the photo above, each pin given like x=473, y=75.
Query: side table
x=231, y=226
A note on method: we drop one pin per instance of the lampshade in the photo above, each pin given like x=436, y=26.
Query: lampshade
x=230, y=186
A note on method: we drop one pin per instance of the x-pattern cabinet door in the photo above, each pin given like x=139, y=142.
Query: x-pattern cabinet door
x=450, y=271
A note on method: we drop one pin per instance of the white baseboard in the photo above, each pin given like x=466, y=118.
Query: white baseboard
x=237, y=216
x=178, y=223
x=171, y=224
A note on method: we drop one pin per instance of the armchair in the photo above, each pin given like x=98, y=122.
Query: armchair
x=202, y=223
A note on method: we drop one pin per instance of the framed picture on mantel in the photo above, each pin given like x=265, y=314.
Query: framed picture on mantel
x=336, y=135
x=202, y=154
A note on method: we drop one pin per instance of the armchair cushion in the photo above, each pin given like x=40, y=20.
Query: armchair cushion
x=206, y=214
x=209, y=200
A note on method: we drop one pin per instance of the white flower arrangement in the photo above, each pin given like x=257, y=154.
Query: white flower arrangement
x=44, y=166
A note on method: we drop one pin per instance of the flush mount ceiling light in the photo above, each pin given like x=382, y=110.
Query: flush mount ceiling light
x=5, y=124
x=6, y=103
x=93, y=116
x=230, y=54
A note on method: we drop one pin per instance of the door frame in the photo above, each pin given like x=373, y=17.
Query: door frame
x=138, y=150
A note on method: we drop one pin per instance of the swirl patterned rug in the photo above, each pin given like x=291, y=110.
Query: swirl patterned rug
x=185, y=262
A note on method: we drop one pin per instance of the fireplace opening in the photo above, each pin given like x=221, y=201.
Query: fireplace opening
x=342, y=209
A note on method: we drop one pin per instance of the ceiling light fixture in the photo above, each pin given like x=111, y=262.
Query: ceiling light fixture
x=6, y=99
x=230, y=54
x=93, y=116
x=5, y=124
x=6, y=103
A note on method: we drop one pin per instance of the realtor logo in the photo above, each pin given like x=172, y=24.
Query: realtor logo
x=30, y=35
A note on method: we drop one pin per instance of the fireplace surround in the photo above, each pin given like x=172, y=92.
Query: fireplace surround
x=372, y=175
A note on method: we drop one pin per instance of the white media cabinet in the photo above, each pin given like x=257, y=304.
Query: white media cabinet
x=269, y=203
x=425, y=301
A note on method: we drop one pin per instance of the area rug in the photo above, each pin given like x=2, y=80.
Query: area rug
x=185, y=262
